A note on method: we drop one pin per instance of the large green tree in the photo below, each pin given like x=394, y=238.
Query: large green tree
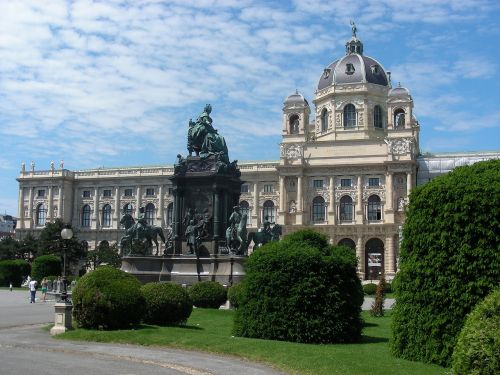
x=449, y=261
x=50, y=242
x=8, y=248
x=104, y=254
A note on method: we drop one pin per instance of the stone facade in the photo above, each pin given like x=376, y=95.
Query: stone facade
x=347, y=173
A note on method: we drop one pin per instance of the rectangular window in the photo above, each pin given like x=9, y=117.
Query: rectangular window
x=150, y=192
x=244, y=188
x=106, y=193
x=128, y=192
x=268, y=188
x=346, y=182
x=318, y=183
x=41, y=193
x=86, y=193
x=375, y=181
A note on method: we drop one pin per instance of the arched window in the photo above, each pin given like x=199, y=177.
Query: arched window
x=324, y=120
x=41, y=214
x=374, y=258
x=150, y=213
x=347, y=242
x=399, y=118
x=170, y=214
x=349, y=116
x=244, y=208
x=377, y=117
x=85, y=246
x=346, y=208
x=374, y=208
x=269, y=210
x=85, y=216
x=294, y=124
x=318, y=209
x=128, y=209
x=106, y=216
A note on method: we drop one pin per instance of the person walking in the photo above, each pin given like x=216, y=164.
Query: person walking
x=32, y=286
x=44, y=288
x=10, y=287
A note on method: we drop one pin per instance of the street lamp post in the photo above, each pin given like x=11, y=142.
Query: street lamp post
x=64, y=308
x=66, y=234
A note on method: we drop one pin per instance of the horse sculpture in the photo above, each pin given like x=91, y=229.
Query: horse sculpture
x=145, y=235
x=236, y=238
x=262, y=237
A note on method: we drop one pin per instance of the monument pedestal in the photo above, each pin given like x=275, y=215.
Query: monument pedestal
x=63, y=318
x=187, y=270
x=205, y=192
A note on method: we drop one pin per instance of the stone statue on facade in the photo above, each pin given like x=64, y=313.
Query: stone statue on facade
x=139, y=235
x=193, y=239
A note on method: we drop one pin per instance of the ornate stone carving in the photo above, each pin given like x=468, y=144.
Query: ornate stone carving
x=368, y=193
x=292, y=151
x=340, y=193
x=399, y=146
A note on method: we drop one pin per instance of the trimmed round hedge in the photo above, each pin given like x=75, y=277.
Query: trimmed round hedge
x=208, y=294
x=13, y=271
x=235, y=294
x=166, y=304
x=107, y=298
x=478, y=345
x=370, y=289
x=45, y=265
x=449, y=260
x=295, y=291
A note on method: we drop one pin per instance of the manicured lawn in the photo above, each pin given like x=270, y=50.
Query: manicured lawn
x=210, y=330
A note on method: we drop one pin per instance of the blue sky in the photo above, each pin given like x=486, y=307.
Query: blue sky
x=114, y=83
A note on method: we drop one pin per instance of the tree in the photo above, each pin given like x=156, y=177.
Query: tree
x=104, y=254
x=8, y=248
x=50, y=242
x=377, y=309
x=449, y=260
x=28, y=248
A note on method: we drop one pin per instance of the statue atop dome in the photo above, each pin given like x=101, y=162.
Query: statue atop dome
x=354, y=29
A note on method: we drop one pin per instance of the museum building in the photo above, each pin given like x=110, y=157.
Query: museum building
x=347, y=173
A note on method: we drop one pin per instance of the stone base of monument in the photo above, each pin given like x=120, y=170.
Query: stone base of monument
x=63, y=318
x=185, y=269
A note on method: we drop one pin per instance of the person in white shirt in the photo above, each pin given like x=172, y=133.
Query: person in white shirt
x=32, y=286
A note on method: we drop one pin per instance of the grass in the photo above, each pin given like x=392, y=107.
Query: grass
x=210, y=330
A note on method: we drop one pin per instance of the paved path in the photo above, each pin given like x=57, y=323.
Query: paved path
x=28, y=350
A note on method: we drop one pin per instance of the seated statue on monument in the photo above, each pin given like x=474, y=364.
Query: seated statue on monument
x=204, y=140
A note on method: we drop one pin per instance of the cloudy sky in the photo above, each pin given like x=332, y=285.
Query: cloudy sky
x=114, y=83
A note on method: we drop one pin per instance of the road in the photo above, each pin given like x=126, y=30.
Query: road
x=27, y=349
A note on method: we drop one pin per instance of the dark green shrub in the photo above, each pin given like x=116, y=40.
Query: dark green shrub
x=370, y=289
x=388, y=287
x=235, y=294
x=208, y=294
x=377, y=308
x=13, y=271
x=45, y=265
x=166, y=304
x=478, y=346
x=310, y=237
x=296, y=292
x=449, y=260
x=107, y=298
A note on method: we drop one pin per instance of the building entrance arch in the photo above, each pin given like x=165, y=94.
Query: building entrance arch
x=374, y=259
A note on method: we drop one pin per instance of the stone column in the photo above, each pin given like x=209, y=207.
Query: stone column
x=409, y=183
x=281, y=211
x=300, y=207
x=160, y=215
x=30, y=207
x=360, y=254
x=359, y=202
x=389, y=257
x=217, y=214
x=256, y=210
x=389, y=198
x=331, y=204
x=96, y=223
x=138, y=200
x=118, y=209
x=20, y=208
x=50, y=207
